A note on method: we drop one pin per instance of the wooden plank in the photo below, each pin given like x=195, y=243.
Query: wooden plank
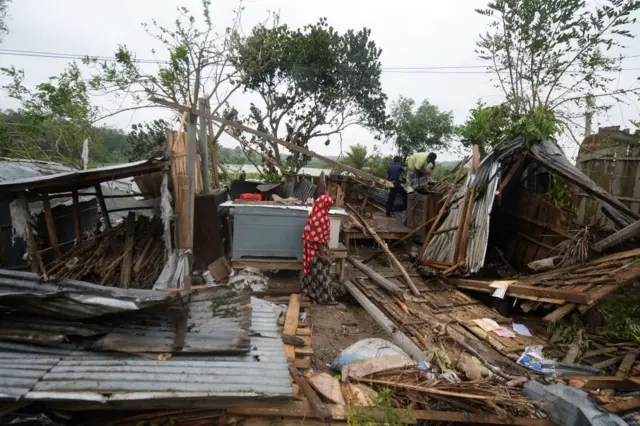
x=35, y=261
x=319, y=408
x=526, y=292
x=600, y=351
x=377, y=278
x=75, y=207
x=623, y=405
x=302, y=363
x=627, y=363
x=618, y=383
x=395, y=243
x=293, y=340
x=103, y=206
x=306, y=351
x=572, y=354
x=382, y=244
x=51, y=225
x=303, y=332
x=125, y=272
x=291, y=323
x=204, y=148
x=267, y=264
x=303, y=410
x=619, y=237
x=513, y=174
x=192, y=142
x=608, y=363
x=270, y=138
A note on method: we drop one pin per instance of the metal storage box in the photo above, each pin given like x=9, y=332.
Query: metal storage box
x=267, y=232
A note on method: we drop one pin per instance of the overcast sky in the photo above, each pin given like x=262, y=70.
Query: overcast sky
x=410, y=33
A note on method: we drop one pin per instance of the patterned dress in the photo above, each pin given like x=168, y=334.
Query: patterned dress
x=316, y=282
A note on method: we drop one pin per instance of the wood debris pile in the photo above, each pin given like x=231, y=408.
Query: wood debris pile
x=100, y=259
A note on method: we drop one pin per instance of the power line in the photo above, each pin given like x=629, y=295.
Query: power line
x=400, y=70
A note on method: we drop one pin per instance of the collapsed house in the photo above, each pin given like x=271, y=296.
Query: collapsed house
x=176, y=333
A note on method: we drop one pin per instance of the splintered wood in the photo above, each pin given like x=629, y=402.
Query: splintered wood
x=101, y=259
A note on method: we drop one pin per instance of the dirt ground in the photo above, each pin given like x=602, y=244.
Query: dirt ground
x=335, y=327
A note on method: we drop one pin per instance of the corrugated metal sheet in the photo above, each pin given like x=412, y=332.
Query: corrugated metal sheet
x=84, y=178
x=73, y=299
x=19, y=372
x=217, y=320
x=304, y=189
x=261, y=373
x=378, y=196
x=13, y=169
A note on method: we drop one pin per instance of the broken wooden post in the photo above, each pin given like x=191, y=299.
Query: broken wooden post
x=397, y=337
x=204, y=151
x=125, y=272
x=103, y=206
x=76, y=216
x=35, y=261
x=384, y=247
x=192, y=142
x=377, y=278
x=320, y=409
x=618, y=237
x=51, y=225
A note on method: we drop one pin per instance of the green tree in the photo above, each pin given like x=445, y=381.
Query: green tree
x=146, y=137
x=423, y=129
x=313, y=83
x=4, y=5
x=357, y=157
x=56, y=117
x=196, y=65
x=549, y=57
x=486, y=127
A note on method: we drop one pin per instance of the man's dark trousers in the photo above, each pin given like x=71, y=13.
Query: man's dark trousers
x=397, y=189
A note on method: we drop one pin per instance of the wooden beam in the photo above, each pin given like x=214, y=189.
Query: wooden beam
x=270, y=138
x=32, y=246
x=627, y=363
x=214, y=152
x=319, y=408
x=623, y=405
x=291, y=323
x=608, y=363
x=303, y=410
x=192, y=142
x=525, y=291
x=293, y=340
x=619, y=237
x=204, y=149
x=377, y=278
x=618, y=383
x=395, y=243
x=103, y=206
x=384, y=247
x=51, y=225
x=397, y=336
x=125, y=272
x=76, y=217
x=514, y=173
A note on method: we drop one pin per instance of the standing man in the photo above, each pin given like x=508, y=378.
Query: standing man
x=393, y=175
x=418, y=175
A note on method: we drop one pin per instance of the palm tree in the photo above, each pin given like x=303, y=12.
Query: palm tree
x=357, y=156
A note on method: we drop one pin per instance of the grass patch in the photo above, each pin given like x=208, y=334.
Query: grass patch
x=621, y=313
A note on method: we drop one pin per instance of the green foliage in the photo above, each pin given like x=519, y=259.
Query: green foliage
x=357, y=157
x=486, y=127
x=425, y=129
x=379, y=164
x=555, y=54
x=621, y=313
x=54, y=120
x=4, y=5
x=196, y=66
x=146, y=137
x=314, y=82
x=386, y=402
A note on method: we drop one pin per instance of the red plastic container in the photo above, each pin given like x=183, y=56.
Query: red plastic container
x=253, y=197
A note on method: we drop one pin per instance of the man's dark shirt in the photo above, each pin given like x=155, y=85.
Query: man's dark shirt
x=394, y=172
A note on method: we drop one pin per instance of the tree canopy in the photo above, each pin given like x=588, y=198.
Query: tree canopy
x=357, y=157
x=424, y=128
x=4, y=29
x=550, y=57
x=313, y=83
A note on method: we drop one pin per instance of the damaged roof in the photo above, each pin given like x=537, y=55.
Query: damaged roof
x=37, y=373
x=75, y=179
x=211, y=320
